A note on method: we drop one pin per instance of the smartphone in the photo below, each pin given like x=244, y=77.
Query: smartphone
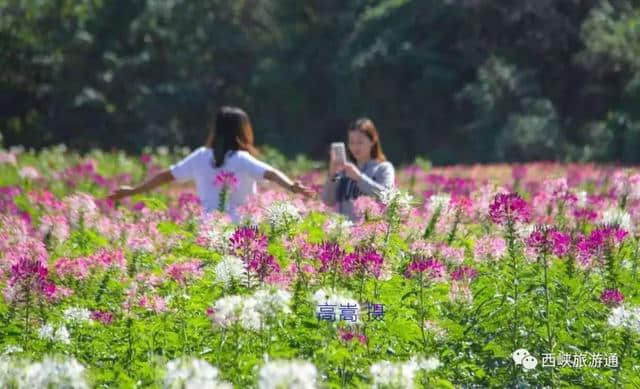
x=338, y=152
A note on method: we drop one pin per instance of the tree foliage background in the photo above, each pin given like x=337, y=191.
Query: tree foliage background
x=453, y=80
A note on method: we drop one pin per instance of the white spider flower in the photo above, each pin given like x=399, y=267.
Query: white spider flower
x=281, y=214
x=193, y=373
x=292, y=374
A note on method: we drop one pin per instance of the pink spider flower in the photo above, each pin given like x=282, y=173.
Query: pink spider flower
x=509, y=208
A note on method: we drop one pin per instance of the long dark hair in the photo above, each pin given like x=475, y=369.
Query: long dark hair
x=232, y=132
x=366, y=126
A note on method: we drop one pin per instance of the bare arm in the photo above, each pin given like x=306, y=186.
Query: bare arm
x=159, y=179
x=281, y=179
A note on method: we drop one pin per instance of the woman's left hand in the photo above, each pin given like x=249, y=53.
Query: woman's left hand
x=298, y=187
x=352, y=171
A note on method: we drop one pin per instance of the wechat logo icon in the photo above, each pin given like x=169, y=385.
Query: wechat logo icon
x=522, y=357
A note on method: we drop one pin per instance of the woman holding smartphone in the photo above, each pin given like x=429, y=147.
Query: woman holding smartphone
x=366, y=172
x=229, y=148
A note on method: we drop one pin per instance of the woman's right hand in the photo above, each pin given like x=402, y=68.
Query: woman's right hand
x=122, y=192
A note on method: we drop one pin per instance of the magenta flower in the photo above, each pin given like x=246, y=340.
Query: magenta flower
x=433, y=269
x=45, y=199
x=615, y=235
x=437, y=181
x=585, y=250
x=7, y=203
x=595, y=245
x=329, y=255
x=549, y=241
x=139, y=206
x=263, y=265
x=459, y=186
x=509, y=208
x=103, y=317
x=247, y=240
x=348, y=336
x=250, y=245
x=612, y=297
x=29, y=274
x=226, y=179
x=560, y=243
x=585, y=214
x=464, y=273
x=25, y=269
x=363, y=262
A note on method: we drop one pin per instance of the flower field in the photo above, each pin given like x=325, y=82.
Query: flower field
x=465, y=277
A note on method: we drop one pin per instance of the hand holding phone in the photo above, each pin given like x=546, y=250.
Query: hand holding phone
x=338, y=158
x=338, y=152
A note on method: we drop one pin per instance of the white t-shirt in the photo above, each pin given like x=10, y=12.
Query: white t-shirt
x=199, y=166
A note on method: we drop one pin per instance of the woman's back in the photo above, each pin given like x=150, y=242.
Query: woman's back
x=199, y=167
x=233, y=142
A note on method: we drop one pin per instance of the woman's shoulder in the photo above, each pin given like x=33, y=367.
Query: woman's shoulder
x=202, y=150
x=203, y=156
x=242, y=155
x=384, y=165
x=197, y=154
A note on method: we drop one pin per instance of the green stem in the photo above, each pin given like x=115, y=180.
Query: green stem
x=183, y=326
x=432, y=224
x=454, y=228
x=27, y=332
x=333, y=274
x=514, y=265
x=362, y=276
x=103, y=286
x=236, y=331
x=130, y=344
x=626, y=341
x=635, y=263
x=224, y=196
x=421, y=313
x=547, y=311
